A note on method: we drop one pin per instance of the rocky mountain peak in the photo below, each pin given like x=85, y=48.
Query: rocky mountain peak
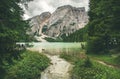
x=64, y=20
x=65, y=7
x=45, y=15
x=37, y=23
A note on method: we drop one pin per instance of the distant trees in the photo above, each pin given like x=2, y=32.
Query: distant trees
x=78, y=36
x=104, y=26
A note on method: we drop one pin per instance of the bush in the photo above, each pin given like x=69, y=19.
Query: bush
x=96, y=45
x=96, y=71
x=87, y=63
x=30, y=67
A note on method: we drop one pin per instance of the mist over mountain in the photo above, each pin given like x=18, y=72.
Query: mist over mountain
x=37, y=7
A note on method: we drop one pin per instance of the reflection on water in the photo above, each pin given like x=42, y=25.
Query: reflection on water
x=56, y=47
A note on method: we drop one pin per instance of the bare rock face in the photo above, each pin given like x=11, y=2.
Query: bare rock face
x=65, y=20
x=37, y=23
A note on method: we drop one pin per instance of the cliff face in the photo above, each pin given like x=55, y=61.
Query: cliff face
x=65, y=20
x=37, y=23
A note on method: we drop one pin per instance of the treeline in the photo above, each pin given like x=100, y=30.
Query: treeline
x=77, y=36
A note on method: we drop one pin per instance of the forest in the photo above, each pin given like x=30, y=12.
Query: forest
x=103, y=28
x=101, y=36
x=12, y=30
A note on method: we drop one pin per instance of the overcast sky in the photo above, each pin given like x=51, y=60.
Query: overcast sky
x=36, y=7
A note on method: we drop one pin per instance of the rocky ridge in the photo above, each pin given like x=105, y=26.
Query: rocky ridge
x=64, y=20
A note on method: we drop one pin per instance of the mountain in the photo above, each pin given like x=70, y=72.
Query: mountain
x=37, y=23
x=64, y=20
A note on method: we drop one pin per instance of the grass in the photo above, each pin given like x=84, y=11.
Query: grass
x=29, y=67
x=95, y=71
x=107, y=58
x=73, y=56
x=85, y=68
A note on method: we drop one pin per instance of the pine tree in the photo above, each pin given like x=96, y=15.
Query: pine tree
x=12, y=30
x=103, y=26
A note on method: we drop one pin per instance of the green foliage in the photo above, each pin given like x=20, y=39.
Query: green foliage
x=73, y=56
x=103, y=24
x=87, y=62
x=29, y=67
x=12, y=30
x=112, y=59
x=117, y=60
x=77, y=36
x=68, y=57
x=97, y=71
x=95, y=45
x=85, y=68
x=53, y=40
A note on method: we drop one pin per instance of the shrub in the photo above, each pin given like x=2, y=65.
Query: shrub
x=96, y=71
x=30, y=67
x=95, y=45
x=87, y=63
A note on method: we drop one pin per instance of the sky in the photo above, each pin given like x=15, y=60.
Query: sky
x=36, y=7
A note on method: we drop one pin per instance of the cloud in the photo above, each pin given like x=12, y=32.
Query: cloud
x=36, y=7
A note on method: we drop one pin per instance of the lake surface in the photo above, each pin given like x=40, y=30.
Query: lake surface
x=56, y=47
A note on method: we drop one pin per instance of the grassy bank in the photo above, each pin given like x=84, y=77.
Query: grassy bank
x=73, y=56
x=112, y=59
x=29, y=66
x=93, y=70
x=85, y=68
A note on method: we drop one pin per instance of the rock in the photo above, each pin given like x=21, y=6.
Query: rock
x=37, y=23
x=65, y=20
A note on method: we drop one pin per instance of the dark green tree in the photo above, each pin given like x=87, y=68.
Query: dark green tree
x=12, y=30
x=78, y=36
x=103, y=27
